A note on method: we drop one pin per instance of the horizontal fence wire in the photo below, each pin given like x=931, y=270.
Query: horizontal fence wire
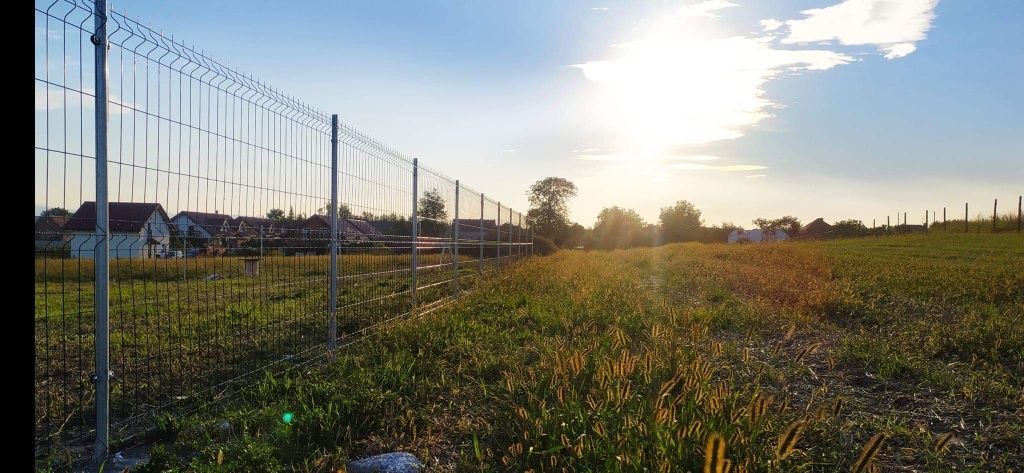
x=220, y=229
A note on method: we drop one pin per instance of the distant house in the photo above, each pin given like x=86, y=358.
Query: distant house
x=816, y=229
x=50, y=233
x=319, y=227
x=253, y=226
x=137, y=230
x=475, y=229
x=205, y=225
x=756, y=236
x=366, y=228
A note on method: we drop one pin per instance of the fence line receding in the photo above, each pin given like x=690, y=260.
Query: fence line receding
x=226, y=203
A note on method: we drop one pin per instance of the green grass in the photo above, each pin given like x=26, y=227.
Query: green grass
x=174, y=334
x=630, y=360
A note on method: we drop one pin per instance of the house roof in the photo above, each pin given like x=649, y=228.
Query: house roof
x=51, y=223
x=125, y=217
x=254, y=222
x=384, y=227
x=363, y=226
x=817, y=226
x=204, y=218
x=323, y=222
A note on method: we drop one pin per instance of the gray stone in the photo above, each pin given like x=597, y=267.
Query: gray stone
x=395, y=462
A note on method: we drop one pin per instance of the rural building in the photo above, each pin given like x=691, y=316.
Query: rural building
x=253, y=226
x=366, y=228
x=202, y=224
x=816, y=229
x=50, y=233
x=471, y=229
x=319, y=226
x=137, y=230
x=756, y=236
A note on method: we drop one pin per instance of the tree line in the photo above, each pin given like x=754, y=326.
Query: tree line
x=617, y=227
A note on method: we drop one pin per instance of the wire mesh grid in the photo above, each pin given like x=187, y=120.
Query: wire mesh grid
x=219, y=228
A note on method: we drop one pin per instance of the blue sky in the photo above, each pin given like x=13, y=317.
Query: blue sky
x=645, y=103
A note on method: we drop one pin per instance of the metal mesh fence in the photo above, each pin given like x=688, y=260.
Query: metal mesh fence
x=215, y=197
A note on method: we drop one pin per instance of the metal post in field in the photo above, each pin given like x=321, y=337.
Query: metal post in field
x=509, y=235
x=965, y=217
x=480, y=260
x=519, y=238
x=497, y=236
x=925, y=220
x=455, y=250
x=888, y=225
x=994, y=217
x=904, y=219
x=101, y=300
x=332, y=285
x=415, y=228
x=944, y=226
x=1020, y=198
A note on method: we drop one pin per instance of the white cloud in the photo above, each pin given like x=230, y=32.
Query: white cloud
x=508, y=151
x=678, y=87
x=771, y=24
x=599, y=8
x=755, y=176
x=894, y=26
x=705, y=8
x=895, y=51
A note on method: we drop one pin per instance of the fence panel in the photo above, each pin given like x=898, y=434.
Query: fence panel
x=220, y=229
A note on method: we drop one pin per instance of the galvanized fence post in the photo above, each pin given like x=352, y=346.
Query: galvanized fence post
x=332, y=285
x=497, y=236
x=101, y=302
x=415, y=229
x=965, y=217
x=995, y=203
x=519, y=238
x=455, y=250
x=1020, y=198
x=480, y=260
x=509, y=236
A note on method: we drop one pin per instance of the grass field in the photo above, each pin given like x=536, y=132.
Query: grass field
x=176, y=335
x=800, y=356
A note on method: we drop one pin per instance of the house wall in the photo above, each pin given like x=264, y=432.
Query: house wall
x=123, y=245
x=182, y=222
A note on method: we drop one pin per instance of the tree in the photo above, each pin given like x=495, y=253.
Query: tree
x=432, y=206
x=680, y=222
x=619, y=228
x=432, y=214
x=549, y=211
x=343, y=210
x=849, y=228
x=276, y=215
x=789, y=224
x=55, y=212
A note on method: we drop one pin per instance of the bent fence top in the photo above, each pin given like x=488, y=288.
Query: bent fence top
x=240, y=230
